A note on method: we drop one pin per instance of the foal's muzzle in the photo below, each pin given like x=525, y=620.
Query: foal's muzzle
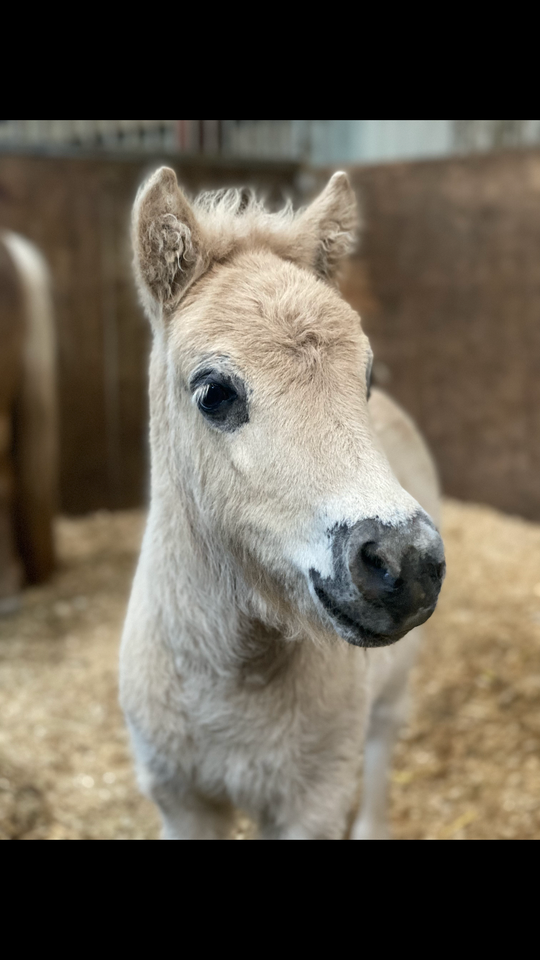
x=386, y=581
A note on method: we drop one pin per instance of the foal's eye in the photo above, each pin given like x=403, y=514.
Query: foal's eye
x=215, y=397
x=221, y=397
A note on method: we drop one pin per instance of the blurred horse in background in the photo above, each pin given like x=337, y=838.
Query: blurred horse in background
x=28, y=419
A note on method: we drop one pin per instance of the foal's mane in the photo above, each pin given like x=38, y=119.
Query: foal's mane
x=317, y=237
x=226, y=205
x=176, y=241
x=240, y=216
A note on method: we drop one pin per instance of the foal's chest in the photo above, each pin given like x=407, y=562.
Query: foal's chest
x=256, y=744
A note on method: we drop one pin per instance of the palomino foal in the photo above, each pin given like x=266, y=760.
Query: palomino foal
x=282, y=556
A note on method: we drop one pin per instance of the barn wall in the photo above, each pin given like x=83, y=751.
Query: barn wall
x=447, y=281
x=77, y=211
x=448, y=284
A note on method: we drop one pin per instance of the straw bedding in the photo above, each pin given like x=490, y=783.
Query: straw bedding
x=467, y=765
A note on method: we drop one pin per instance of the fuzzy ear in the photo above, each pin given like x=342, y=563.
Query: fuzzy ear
x=328, y=227
x=167, y=241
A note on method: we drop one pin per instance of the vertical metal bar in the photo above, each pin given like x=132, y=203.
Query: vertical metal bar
x=226, y=136
x=210, y=142
x=182, y=135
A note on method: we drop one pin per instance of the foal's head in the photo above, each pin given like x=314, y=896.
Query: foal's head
x=260, y=388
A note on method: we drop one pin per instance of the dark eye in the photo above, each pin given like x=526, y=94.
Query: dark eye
x=215, y=397
x=221, y=397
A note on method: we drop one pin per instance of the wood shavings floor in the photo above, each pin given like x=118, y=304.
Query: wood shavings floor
x=467, y=766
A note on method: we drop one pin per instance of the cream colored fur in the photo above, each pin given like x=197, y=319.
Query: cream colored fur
x=237, y=691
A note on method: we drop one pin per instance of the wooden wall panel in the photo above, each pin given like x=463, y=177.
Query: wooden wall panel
x=447, y=280
x=77, y=211
x=448, y=283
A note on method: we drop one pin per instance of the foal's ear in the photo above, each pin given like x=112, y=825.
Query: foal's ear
x=328, y=227
x=168, y=243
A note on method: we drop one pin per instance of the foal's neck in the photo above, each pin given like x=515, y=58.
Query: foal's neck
x=213, y=617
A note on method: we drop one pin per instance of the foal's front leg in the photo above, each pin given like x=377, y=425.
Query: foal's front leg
x=185, y=814
x=192, y=817
x=383, y=729
x=297, y=832
x=325, y=812
x=387, y=716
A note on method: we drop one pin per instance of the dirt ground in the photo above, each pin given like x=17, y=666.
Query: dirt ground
x=467, y=766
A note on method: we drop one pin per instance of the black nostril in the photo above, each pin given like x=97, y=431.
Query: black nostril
x=441, y=570
x=376, y=565
x=371, y=558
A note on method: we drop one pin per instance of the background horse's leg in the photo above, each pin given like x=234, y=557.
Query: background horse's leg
x=387, y=715
x=35, y=418
x=11, y=573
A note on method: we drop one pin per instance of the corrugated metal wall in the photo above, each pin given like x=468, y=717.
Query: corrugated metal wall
x=265, y=139
x=320, y=142
x=107, y=134
x=377, y=141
